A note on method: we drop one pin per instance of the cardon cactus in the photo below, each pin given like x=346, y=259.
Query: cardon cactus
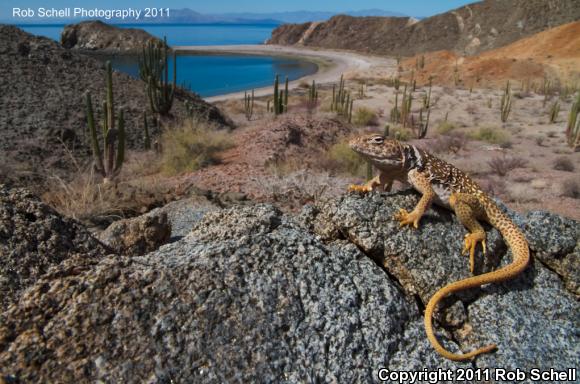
x=108, y=162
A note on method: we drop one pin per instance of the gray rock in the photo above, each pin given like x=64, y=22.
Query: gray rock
x=555, y=241
x=253, y=295
x=139, y=235
x=33, y=237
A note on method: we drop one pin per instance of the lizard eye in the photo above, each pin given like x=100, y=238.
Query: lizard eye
x=377, y=140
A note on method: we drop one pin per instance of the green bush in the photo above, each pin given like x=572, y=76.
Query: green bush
x=345, y=160
x=445, y=127
x=491, y=135
x=365, y=116
x=191, y=146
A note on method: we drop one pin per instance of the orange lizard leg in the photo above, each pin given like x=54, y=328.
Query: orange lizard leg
x=467, y=209
x=423, y=185
x=377, y=182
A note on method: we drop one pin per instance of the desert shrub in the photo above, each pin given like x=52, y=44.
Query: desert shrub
x=564, y=164
x=571, y=188
x=342, y=159
x=448, y=143
x=364, y=116
x=402, y=134
x=191, y=146
x=540, y=140
x=445, y=127
x=503, y=165
x=491, y=135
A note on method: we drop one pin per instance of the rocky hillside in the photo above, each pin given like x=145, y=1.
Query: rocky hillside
x=467, y=30
x=253, y=295
x=554, y=54
x=42, y=101
x=104, y=38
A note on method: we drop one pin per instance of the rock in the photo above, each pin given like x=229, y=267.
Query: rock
x=139, y=235
x=254, y=295
x=555, y=242
x=104, y=38
x=33, y=237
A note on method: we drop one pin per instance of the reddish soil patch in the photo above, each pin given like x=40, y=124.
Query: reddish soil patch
x=553, y=53
x=291, y=141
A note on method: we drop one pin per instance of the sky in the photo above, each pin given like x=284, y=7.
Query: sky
x=421, y=8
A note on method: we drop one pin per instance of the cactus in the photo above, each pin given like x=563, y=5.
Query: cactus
x=280, y=97
x=395, y=113
x=147, y=143
x=249, y=105
x=108, y=162
x=506, y=103
x=341, y=100
x=424, y=124
x=154, y=69
x=312, y=97
x=361, y=91
x=554, y=111
x=573, y=127
x=406, y=104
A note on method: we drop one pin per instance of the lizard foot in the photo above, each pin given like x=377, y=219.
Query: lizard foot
x=406, y=218
x=359, y=188
x=471, y=240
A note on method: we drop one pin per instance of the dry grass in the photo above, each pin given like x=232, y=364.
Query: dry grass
x=564, y=164
x=448, y=143
x=341, y=159
x=445, y=127
x=191, y=146
x=503, y=165
x=365, y=117
x=571, y=188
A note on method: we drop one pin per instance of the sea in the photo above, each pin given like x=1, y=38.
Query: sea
x=208, y=75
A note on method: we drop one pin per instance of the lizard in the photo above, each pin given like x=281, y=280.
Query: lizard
x=445, y=185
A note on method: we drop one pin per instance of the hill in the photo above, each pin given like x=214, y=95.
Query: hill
x=554, y=54
x=467, y=30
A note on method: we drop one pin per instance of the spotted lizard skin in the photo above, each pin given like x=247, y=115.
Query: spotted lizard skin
x=441, y=183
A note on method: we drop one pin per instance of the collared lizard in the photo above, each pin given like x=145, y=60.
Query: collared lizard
x=447, y=186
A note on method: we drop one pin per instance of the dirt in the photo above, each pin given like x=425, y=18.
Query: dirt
x=469, y=30
x=553, y=54
x=268, y=149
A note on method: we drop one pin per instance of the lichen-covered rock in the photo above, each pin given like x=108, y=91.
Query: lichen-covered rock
x=104, y=38
x=248, y=296
x=139, y=235
x=253, y=295
x=555, y=241
x=527, y=317
x=33, y=237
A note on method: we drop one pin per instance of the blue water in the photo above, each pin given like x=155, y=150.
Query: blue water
x=209, y=75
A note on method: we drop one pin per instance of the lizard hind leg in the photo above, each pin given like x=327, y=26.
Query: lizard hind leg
x=467, y=208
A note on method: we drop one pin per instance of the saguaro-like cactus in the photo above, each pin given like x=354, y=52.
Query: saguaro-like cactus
x=108, y=162
x=312, y=97
x=506, y=103
x=249, y=105
x=154, y=70
x=573, y=127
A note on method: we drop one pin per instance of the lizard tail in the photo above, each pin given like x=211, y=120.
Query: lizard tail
x=516, y=240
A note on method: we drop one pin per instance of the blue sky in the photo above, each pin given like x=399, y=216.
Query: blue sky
x=408, y=7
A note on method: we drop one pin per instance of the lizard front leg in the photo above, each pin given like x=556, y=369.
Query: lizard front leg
x=467, y=209
x=422, y=184
x=382, y=180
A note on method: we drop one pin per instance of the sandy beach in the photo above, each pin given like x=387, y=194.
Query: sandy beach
x=331, y=63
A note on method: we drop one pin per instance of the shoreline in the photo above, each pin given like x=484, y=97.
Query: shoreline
x=331, y=63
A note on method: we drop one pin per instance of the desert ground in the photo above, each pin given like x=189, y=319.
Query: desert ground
x=525, y=161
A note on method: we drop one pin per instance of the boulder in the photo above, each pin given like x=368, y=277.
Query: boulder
x=34, y=237
x=254, y=295
x=139, y=235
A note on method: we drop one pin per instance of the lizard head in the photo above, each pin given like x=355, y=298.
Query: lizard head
x=381, y=152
